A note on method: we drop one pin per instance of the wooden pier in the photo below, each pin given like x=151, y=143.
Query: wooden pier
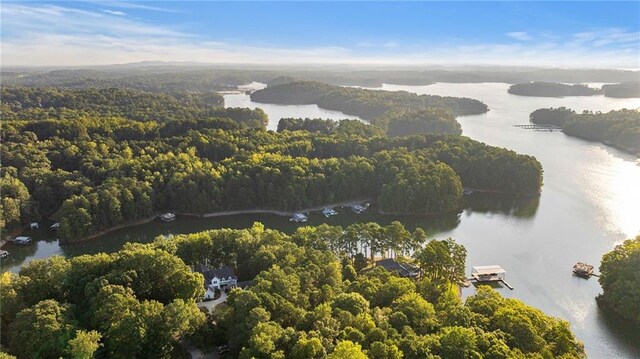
x=542, y=128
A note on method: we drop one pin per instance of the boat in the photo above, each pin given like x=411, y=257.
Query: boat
x=359, y=208
x=168, y=217
x=3, y=254
x=55, y=226
x=328, y=212
x=298, y=218
x=467, y=191
x=583, y=270
x=22, y=240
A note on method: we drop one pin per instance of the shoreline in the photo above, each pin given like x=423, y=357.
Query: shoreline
x=133, y=223
x=214, y=214
x=272, y=211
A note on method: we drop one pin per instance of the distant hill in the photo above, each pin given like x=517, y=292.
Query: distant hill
x=552, y=89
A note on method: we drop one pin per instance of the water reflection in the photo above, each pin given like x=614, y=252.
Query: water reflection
x=46, y=245
x=509, y=205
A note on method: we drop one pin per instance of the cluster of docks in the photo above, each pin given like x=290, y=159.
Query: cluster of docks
x=541, y=128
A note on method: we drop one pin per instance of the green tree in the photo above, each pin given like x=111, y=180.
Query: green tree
x=620, y=280
x=347, y=350
x=41, y=331
x=84, y=345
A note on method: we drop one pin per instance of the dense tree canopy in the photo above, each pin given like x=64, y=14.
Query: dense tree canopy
x=378, y=107
x=620, y=280
x=28, y=103
x=306, y=301
x=622, y=90
x=303, y=306
x=618, y=128
x=92, y=173
x=139, y=302
x=551, y=116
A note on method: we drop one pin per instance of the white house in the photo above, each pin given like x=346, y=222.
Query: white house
x=219, y=278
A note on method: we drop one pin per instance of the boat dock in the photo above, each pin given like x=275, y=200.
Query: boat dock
x=584, y=270
x=542, y=128
x=491, y=273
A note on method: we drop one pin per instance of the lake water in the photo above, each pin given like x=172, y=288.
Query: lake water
x=589, y=203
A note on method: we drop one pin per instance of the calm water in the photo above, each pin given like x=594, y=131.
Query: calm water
x=590, y=202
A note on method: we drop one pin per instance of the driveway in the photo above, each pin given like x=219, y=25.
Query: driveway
x=212, y=303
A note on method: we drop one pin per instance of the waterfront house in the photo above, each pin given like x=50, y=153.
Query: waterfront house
x=404, y=269
x=216, y=279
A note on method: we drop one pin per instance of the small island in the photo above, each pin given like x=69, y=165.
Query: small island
x=552, y=89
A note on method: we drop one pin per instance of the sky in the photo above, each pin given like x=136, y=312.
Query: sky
x=551, y=34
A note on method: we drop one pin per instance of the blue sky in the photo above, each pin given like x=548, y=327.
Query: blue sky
x=574, y=34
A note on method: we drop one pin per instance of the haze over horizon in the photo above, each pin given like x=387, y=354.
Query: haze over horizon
x=547, y=34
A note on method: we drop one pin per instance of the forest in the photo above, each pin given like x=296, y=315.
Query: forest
x=552, y=89
x=91, y=174
x=380, y=108
x=620, y=281
x=622, y=90
x=309, y=299
x=617, y=128
x=28, y=103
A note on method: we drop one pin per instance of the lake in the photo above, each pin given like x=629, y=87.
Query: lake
x=589, y=203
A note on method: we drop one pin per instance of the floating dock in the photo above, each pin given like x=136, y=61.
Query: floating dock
x=491, y=273
x=584, y=270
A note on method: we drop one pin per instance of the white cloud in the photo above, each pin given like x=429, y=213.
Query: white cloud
x=520, y=35
x=37, y=34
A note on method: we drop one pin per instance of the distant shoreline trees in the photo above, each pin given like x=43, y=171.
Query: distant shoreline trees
x=617, y=128
x=397, y=111
x=552, y=89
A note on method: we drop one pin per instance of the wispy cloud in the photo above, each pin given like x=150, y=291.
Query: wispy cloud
x=40, y=34
x=133, y=5
x=519, y=35
x=114, y=12
x=605, y=37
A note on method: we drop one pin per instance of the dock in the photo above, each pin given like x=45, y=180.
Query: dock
x=542, y=128
x=491, y=273
x=584, y=270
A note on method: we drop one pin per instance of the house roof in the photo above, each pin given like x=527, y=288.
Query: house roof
x=492, y=269
x=404, y=269
x=209, y=273
x=224, y=272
